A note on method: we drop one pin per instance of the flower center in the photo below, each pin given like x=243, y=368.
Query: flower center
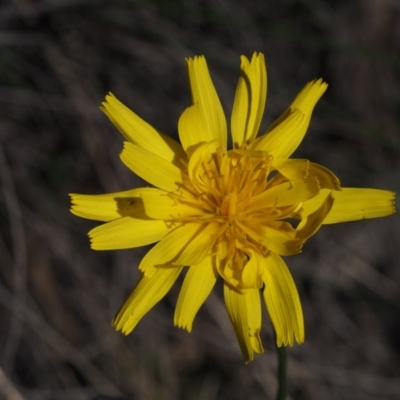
x=224, y=183
x=220, y=187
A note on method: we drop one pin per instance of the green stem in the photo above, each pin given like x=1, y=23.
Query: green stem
x=282, y=372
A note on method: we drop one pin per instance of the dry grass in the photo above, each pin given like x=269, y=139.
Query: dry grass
x=58, y=58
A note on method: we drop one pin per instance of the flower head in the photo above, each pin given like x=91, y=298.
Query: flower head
x=223, y=213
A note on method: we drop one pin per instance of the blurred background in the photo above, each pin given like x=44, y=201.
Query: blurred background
x=58, y=59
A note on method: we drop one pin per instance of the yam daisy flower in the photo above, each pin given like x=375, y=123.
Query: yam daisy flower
x=223, y=213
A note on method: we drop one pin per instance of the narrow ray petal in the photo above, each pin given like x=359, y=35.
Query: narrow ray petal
x=110, y=206
x=159, y=204
x=283, y=303
x=273, y=140
x=198, y=283
x=224, y=263
x=181, y=247
x=310, y=224
x=127, y=232
x=211, y=122
x=313, y=204
x=146, y=294
x=252, y=271
x=200, y=157
x=151, y=168
x=276, y=236
x=292, y=168
x=189, y=126
x=286, y=133
x=326, y=178
x=200, y=245
x=279, y=237
x=285, y=194
x=244, y=311
x=249, y=103
x=351, y=204
x=139, y=132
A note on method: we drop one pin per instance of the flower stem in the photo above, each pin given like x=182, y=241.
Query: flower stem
x=282, y=372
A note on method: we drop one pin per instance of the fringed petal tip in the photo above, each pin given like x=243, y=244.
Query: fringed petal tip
x=310, y=94
x=391, y=209
x=290, y=339
x=181, y=325
x=107, y=99
x=72, y=198
x=393, y=199
x=120, y=328
x=95, y=244
x=124, y=321
x=195, y=59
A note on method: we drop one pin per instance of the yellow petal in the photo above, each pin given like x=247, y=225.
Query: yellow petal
x=326, y=178
x=244, y=311
x=139, y=203
x=152, y=168
x=202, y=171
x=159, y=204
x=139, y=132
x=276, y=236
x=210, y=122
x=110, y=206
x=146, y=294
x=285, y=194
x=351, y=204
x=198, y=283
x=189, y=126
x=310, y=224
x=283, y=303
x=188, y=244
x=200, y=157
x=226, y=264
x=292, y=168
x=279, y=237
x=313, y=204
x=127, y=232
x=200, y=245
x=286, y=133
x=249, y=104
x=252, y=271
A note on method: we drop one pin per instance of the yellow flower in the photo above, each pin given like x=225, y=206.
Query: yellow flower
x=223, y=213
